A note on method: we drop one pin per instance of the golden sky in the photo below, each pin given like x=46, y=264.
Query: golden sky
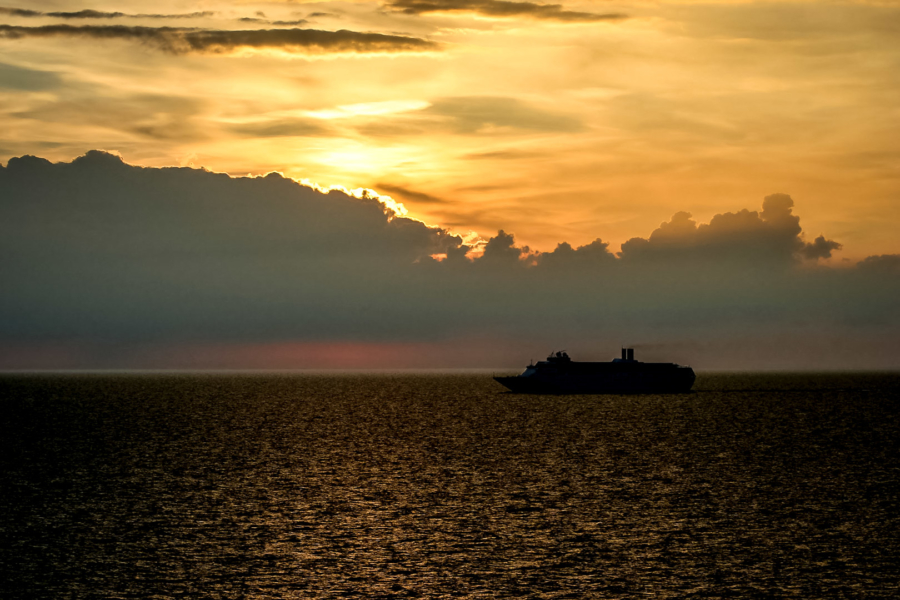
x=556, y=122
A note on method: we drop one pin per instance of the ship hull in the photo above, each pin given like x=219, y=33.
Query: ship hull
x=633, y=382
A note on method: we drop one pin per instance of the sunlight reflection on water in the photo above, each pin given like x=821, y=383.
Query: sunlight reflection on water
x=445, y=486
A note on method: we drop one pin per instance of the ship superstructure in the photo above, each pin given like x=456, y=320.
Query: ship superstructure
x=559, y=374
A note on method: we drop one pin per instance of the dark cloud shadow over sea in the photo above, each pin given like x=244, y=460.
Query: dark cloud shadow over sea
x=101, y=258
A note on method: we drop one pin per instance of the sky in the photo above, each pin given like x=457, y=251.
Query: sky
x=461, y=183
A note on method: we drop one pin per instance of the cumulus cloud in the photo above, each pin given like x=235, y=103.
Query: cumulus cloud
x=501, y=8
x=96, y=14
x=565, y=257
x=192, y=40
x=147, y=250
x=883, y=263
x=820, y=248
x=502, y=249
x=99, y=252
x=769, y=236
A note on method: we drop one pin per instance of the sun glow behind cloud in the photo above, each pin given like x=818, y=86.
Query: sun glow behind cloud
x=518, y=119
x=392, y=207
x=362, y=158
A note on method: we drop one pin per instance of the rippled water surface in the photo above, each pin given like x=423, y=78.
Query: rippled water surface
x=378, y=486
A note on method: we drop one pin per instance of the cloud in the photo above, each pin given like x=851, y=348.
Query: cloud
x=511, y=154
x=31, y=80
x=96, y=14
x=820, y=248
x=502, y=249
x=20, y=12
x=192, y=40
x=162, y=117
x=408, y=194
x=98, y=252
x=471, y=115
x=477, y=114
x=883, y=263
x=282, y=128
x=500, y=8
x=269, y=22
x=771, y=236
x=161, y=245
x=565, y=258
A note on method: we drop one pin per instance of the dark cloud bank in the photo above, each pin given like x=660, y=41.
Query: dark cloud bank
x=102, y=260
x=182, y=40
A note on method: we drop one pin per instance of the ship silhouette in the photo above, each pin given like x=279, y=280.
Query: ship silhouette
x=559, y=374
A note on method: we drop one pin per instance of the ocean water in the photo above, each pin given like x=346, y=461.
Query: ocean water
x=446, y=486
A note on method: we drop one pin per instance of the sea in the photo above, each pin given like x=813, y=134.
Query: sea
x=444, y=485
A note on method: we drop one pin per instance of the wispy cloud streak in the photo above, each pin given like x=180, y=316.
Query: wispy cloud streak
x=178, y=40
x=501, y=8
x=97, y=14
x=268, y=22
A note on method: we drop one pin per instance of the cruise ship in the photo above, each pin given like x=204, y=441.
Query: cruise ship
x=559, y=374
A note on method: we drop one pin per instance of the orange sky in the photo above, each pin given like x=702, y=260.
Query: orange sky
x=596, y=119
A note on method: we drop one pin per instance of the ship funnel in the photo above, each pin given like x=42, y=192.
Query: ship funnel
x=631, y=354
x=624, y=354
